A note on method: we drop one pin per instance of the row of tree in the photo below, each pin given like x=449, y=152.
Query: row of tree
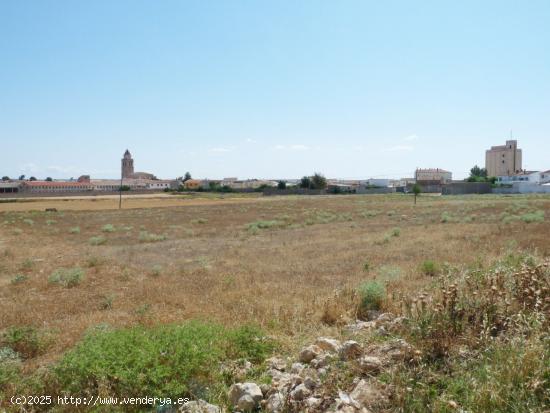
x=315, y=181
x=22, y=178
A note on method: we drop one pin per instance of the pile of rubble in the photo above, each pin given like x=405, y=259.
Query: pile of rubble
x=305, y=384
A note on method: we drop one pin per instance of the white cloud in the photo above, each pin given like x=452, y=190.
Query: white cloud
x=410, y=138
x=29, y=168
x=295, y=147
x=250, y=140
x=220, y=150
x=62, y=169
x=400, y=148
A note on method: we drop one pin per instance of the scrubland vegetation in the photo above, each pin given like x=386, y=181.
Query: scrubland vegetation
x=175, y=301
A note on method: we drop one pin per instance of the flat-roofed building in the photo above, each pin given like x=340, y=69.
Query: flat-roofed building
x=503, y=160
x=9, y=187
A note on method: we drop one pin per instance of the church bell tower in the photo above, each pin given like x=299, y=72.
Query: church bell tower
x=127, y=165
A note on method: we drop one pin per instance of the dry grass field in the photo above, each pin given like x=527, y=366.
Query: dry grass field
x=275, y=262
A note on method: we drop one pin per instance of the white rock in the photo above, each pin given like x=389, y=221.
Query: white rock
x=275, y=403
x=297, y=368
x=313, y=402
x=309, y=353
x=245, y=396
x=350, y=350
x=275, y=374
x=311, y=383
x=296, y=379
x=345, y=404
x=368, y=395
x=350, y=409
x=328, y=344
x=284, y=382
x=360, y=326
x=370, y=365
x=397, y=350
x=246, y=403
x=276, y=363
x=322, y=360
x=199, y=406
x=300, y=392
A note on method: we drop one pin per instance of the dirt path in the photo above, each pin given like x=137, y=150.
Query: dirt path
x=105, y=202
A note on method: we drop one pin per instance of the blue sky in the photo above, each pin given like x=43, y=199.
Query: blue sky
x=274, y=89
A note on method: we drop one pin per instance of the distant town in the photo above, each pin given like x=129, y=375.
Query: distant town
x=502, y=173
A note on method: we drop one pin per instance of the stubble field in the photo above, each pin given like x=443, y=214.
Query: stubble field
x=274, y=262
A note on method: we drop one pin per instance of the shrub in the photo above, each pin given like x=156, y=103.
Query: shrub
x=429, y=267
x=161, y=361
x=369, y=214
x=50, y=221
x=27, y=265
x=371, y=295
x=483, y=337
x=108, y=228
x=19, y=278
x=107, y=302
x=74, y=230
x=395, y=232
x=446, y=217
x=27, y=341
x=156, y=270
x=537, y=216
x=145, y=236
x=99, y=240
x=255, y=226
x=93, y=262
x=199, y=221
x=28, y=221
x=67, y=277
x=10, y=366
x=389, y=273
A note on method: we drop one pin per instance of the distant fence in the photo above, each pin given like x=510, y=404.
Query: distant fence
x=365, y=190
x=428, y=188
x=463, y=188
x=293, y=191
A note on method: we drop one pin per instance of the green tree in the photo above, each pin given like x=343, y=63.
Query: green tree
x=477, y=174
x=318, y=181
x=49, y=179
x=187, y=177
x=21, y=177
x=32, y=178
x=5, y=178
x=305, y=182
x=416, y=191
x=281, y=185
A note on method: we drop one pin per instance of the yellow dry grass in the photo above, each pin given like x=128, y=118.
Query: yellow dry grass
x=104, y=202
x=277, y=272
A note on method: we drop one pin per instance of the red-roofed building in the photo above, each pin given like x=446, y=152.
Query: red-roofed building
x=50, y=186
